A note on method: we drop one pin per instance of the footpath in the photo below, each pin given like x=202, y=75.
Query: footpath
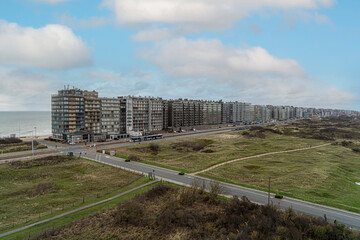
x=75, y=210
x=258, y=156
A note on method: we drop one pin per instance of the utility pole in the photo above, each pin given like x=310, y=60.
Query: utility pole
x=35, y=132
x=32, y=142
x=269, y=192
x=225, y=166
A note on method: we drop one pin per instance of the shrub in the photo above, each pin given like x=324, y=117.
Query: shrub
x=127, y=160
x=215, y=190
x=357, y=150
x=208, y=151
x=181, y=173
x=155, y=148
x=198, y=147
x=158, y=191
x=279, y=196
x=129, y=213
x=47, y=161
x=10, y=140
x=133, y=158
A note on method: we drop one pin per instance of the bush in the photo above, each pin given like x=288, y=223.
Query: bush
x=198, y=147
x=155, y=148
x=208, y=151
x=10, y=140
x=158, y=191
x=357, y=150
x=181, y=173
x=215, y=190
x=127, y=160
x=133, y=158
x=279, y=196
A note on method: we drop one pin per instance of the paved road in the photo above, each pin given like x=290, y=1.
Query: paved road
x=348, y=218
x=73, y=211
x=345, y=217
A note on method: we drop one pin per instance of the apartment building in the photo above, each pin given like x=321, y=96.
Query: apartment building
x=232, y=112
x=92, y=114
x=67, y=115
x=185, y=113
x=143, y=114
x=110, y=117
x=211, y=112
x=79, y=115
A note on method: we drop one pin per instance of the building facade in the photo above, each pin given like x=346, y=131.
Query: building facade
x=80, y=115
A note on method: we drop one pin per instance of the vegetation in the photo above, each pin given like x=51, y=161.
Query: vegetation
x=325, y=175
x=198, y=153
x=8, y=145
x=32, y=189
x=63, y=221
x=167, y=212
x=327, y=129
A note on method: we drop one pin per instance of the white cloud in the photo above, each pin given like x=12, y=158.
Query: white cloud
x=197, y=15
x=182, y=57
x=25, y=90
x=51, y=47
x=248, y=74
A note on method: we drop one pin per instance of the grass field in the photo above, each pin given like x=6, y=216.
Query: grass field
x=61, y=222
x=198, y=153
x=172, y=213
x=19, y=147
x=30, y=190
x=325, y=175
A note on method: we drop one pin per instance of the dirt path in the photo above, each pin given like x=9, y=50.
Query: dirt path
x=260, y=155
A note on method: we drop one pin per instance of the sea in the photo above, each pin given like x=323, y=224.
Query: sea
x=23, y=123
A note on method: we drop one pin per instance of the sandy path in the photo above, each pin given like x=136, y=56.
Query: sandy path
x=260, y=155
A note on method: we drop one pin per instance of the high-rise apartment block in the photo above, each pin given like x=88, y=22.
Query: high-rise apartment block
x=143, y=114
x=80, y=116
x=110, y=117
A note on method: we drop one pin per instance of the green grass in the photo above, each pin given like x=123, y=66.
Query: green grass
x=63, y=221
x=324, y=175
x=221, y=147
x=46, y=188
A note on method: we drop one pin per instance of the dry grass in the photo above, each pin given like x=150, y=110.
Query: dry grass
x=325, y=175
x=213, y=149
x=172, y=213
x=49, y=185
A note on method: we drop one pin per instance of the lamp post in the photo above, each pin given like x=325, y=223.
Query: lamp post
x=32, y=142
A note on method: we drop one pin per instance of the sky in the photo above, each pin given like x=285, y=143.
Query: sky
x=278, y=52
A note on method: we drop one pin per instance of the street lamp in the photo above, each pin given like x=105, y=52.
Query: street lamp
x=32, y=142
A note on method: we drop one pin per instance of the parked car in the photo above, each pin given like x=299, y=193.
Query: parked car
x=71, y=143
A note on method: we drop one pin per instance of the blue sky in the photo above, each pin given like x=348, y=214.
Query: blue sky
x=280, y=52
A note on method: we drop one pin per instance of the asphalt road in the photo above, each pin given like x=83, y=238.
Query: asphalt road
x=345, y=217
x=341, y=216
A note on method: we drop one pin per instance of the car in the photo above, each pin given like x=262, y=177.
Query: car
x=71, y=143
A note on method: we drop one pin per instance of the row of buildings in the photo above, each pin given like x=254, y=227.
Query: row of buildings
x=80, y=115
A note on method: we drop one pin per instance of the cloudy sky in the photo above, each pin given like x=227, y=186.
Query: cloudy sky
x=280, y=52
